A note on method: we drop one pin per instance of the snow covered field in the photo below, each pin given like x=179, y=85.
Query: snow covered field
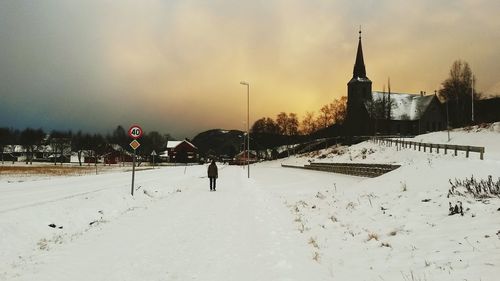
x=282, y=224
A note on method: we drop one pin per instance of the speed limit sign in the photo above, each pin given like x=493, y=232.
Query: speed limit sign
x=135, y=132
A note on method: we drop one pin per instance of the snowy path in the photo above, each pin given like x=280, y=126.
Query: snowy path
x=240, y=232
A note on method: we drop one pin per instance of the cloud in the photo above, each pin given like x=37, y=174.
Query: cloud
x=175, y=66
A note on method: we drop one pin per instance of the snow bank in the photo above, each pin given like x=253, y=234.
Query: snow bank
x=397, y=226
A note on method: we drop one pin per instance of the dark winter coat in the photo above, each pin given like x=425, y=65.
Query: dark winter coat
x=212, y=170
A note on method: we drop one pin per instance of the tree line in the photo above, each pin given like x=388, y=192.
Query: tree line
x=288, y=124
x=286, y=128
x=61, y=141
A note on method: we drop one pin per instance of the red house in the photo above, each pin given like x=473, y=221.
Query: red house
x=115, y=154
x=241, y=158
x=182, y=152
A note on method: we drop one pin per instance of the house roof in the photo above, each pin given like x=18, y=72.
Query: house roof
x=244, y=153
x=17, y=148
x=174, y=144
x=116, y=147
x=405, y=106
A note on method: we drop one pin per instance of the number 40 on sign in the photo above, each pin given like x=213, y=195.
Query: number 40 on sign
x=135, y=132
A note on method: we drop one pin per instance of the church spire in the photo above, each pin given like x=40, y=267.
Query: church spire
x=359, y=66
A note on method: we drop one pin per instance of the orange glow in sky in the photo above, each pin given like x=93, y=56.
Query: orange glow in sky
x=175, y=66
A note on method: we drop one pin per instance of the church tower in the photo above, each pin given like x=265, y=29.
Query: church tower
x=359, y=90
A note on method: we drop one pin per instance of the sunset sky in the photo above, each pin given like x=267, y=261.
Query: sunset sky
x=175, y=65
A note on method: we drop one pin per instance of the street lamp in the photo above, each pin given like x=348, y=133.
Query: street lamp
x=248, y=122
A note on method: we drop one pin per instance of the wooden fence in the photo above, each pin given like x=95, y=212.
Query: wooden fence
x=354, y=169
x=431, y=146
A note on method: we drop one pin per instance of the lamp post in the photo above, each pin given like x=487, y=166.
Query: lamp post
x=248, y=122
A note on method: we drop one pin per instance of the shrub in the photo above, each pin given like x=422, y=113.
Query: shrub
x=477, y=188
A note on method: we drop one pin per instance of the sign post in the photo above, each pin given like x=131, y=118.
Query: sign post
x=153, y=154
x=134, y=132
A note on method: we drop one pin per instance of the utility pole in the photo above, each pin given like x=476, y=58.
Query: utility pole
x=472, y=98
x=447, y=121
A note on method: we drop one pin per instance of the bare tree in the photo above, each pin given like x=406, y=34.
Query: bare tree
x=293, y=124
x=4, y=139
x=380, y=109
x=60, y=142
x=457, y=91
x=288, y=124
x=282, y=122
x=308, y=124
x=339, y=110
x=325, y=118
x=332, y=113
x=265, y=125
x=31, y=139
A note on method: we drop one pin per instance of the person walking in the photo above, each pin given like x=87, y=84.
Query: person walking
x=212, y=174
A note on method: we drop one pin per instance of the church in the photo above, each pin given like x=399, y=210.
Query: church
x=375, y=112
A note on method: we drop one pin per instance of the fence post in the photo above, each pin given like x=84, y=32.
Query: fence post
x=482, y=152
x=445, y=148
x=455, y=150
x=437, y=148
x=467, y=152
x=419, y=145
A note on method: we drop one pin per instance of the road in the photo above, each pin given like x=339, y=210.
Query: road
x=243, y=231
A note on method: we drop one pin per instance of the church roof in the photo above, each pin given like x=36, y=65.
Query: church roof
x=405, y=106
x=359, y=66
